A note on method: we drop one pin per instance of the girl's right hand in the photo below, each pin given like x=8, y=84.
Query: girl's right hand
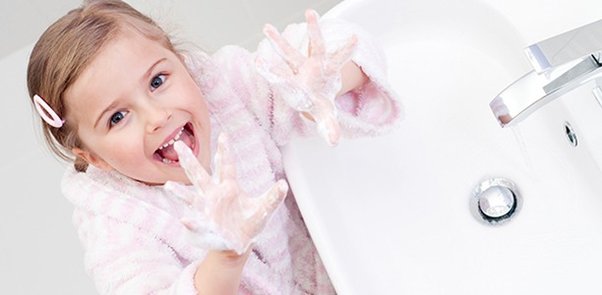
x=233, y=219
x=310, y=81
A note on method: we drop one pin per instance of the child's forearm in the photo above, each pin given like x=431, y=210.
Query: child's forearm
x=220, y=273
x=352, y=77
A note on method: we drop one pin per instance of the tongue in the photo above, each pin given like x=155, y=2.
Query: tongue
x=171, y=154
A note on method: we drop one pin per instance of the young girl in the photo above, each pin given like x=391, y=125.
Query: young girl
x=138, y=116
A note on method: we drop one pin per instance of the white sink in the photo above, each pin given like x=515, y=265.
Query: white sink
x=391, y=215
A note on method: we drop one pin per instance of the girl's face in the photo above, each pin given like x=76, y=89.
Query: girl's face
x=131, y=101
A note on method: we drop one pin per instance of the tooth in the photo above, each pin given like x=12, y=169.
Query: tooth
x=166, y=161
x=173, y=140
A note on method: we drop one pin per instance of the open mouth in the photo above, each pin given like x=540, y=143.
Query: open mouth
x=167, y=154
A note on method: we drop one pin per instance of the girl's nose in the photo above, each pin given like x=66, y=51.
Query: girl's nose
x=156, y=117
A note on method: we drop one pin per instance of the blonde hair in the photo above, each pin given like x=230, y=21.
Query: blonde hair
x=66, y=48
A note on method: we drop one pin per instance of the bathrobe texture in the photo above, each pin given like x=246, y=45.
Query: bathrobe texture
x=133, y=240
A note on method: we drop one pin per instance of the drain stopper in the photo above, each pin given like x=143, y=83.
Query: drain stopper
x=495, y=200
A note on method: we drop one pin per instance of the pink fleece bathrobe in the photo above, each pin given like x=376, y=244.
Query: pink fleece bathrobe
x=131, y=232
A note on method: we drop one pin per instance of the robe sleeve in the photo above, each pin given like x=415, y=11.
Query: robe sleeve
x=123, y=259
x=369, y=110
x=130, y=247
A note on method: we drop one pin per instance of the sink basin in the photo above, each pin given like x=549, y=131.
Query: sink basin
x=392, y=214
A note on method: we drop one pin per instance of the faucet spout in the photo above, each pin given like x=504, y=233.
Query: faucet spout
x=533, y=90
x=566, y=47
x=561, y=64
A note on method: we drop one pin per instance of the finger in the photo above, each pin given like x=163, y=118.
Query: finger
x=316, y=41
x=330, y=130
x=268, y=202
x=225, y=167
x=273, y=72
x=183, y=193
x=193, y=225
x=276, y=195
x=222, y=203
x=342, y=55
x=195, y=172
x=327, y=123
x=291, y=55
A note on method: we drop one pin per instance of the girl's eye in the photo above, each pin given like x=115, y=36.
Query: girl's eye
x=116, y=118
x=157, y=81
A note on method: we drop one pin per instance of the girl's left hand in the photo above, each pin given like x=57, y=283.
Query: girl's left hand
x=311, y=82
x=229, y=218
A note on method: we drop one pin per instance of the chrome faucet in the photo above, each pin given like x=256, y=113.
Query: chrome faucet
x=561, y=64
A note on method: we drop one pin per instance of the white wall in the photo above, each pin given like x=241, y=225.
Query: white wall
x=39, y=250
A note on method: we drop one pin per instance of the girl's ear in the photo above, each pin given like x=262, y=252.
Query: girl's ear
x=92, y=159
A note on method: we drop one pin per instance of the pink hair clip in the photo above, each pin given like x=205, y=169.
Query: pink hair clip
x=47, y=113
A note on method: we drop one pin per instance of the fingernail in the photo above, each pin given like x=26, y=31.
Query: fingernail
x=268, y=28
x=179, y=146
x=283, y=186
x=335, y=135
x=188, y=223
x=311, y=12
x=334, y=141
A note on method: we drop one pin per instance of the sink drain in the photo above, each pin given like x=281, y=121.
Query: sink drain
x=495, y=201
